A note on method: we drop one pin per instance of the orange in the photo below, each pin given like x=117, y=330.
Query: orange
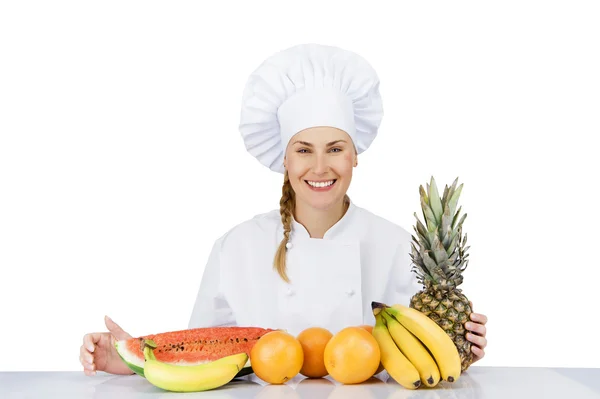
x=370, y=330
x=313, y=341
x=276, y=357
x=352, y=355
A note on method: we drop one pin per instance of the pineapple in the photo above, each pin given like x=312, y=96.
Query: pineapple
x=439, y=259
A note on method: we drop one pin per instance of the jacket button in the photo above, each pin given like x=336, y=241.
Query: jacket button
x=350, y=292
x=289, y=292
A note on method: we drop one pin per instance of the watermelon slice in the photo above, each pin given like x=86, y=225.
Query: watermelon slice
x=192, y=346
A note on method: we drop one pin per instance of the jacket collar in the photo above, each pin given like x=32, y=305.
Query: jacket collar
x=338, y=230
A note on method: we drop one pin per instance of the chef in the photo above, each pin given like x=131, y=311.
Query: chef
x=319, y=260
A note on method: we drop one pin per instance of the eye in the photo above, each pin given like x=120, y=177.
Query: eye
x=302, y=150
x=336, y=148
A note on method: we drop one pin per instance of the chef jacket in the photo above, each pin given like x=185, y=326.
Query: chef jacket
x=333, y=280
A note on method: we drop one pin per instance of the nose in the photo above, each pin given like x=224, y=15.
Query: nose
x=320, y=165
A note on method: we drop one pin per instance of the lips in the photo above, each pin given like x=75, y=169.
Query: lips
x=320, y=185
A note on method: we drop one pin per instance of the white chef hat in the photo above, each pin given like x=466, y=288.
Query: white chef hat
x=305, y=86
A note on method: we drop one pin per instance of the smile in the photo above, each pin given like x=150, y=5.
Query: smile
x=320, y=185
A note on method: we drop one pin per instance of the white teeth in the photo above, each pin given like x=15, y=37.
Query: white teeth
x=320, y=184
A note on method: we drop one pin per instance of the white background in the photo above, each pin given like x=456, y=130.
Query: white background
x=121, y=162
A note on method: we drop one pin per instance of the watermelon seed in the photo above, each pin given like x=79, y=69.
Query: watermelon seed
x=182, y=348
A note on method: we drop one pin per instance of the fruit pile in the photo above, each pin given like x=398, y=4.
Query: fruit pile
x=411, y=347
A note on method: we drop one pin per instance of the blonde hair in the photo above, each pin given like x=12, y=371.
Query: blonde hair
x=287, y=205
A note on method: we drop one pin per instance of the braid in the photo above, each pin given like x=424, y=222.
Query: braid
x=286, y=207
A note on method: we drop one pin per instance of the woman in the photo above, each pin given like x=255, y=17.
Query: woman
x=319, y=260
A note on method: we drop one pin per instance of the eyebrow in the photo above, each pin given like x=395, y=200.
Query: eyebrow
x=328, y=144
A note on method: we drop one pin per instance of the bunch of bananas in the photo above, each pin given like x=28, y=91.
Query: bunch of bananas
x=180, y=378
x=414, y=349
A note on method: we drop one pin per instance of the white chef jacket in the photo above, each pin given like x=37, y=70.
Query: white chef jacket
x=333, y=280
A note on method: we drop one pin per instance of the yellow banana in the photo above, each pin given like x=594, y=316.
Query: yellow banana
x=433, y=337
x=181, y=378
x=394, y=362
x=414, y=351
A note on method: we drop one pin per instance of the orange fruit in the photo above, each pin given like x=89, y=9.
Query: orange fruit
x=352, y=355
x=367, y=327
x=276, y=357
x=313, y=341
x=370, y=330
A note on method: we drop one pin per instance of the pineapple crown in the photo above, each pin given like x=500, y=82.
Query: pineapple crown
x=438, y=250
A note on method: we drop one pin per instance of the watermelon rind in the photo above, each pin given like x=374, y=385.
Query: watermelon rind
x=136, y=364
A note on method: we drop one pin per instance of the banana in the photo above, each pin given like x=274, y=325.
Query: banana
x=394, y=362
x=414, y=351
x=180, y=378
x=433, y=337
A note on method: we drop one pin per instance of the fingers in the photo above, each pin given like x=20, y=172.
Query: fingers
x=480, y=318
x=481, y=342
x=476, y=328
x=478, y=352
x=85, y=356
x=90, y=341
x=87, y=361
x=115, y=329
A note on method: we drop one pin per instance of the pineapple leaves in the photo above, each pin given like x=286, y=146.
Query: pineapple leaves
x=429, y=216
x=422, y=233
x=453, y=258
x=452, y=246
x=420, y=228
x=460, y=222
x=416, y=258
x=458, y=228
x=430, y=265
x=423, y=194
x=439, y=252
x=435, y=201
x=456, y=217
x=446, y=227
x=451, y=191
x=445, y=196
x=438, y=247
x=454, y=199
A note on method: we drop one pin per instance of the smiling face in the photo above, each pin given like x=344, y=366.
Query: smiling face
x=319, y=162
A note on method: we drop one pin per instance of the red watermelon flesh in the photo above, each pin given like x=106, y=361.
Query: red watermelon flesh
x=192, y=346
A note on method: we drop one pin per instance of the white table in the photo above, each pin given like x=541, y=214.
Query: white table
x=476, y=383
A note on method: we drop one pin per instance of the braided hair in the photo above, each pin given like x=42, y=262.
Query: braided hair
x=287, y=205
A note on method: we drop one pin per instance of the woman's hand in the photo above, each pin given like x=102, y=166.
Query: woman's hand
x=98, y=351
x=476, y=334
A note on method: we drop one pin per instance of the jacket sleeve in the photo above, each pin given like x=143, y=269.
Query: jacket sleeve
x=402, y=282
x=211, y=308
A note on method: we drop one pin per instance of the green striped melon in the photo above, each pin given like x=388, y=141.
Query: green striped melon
x=192, y=346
